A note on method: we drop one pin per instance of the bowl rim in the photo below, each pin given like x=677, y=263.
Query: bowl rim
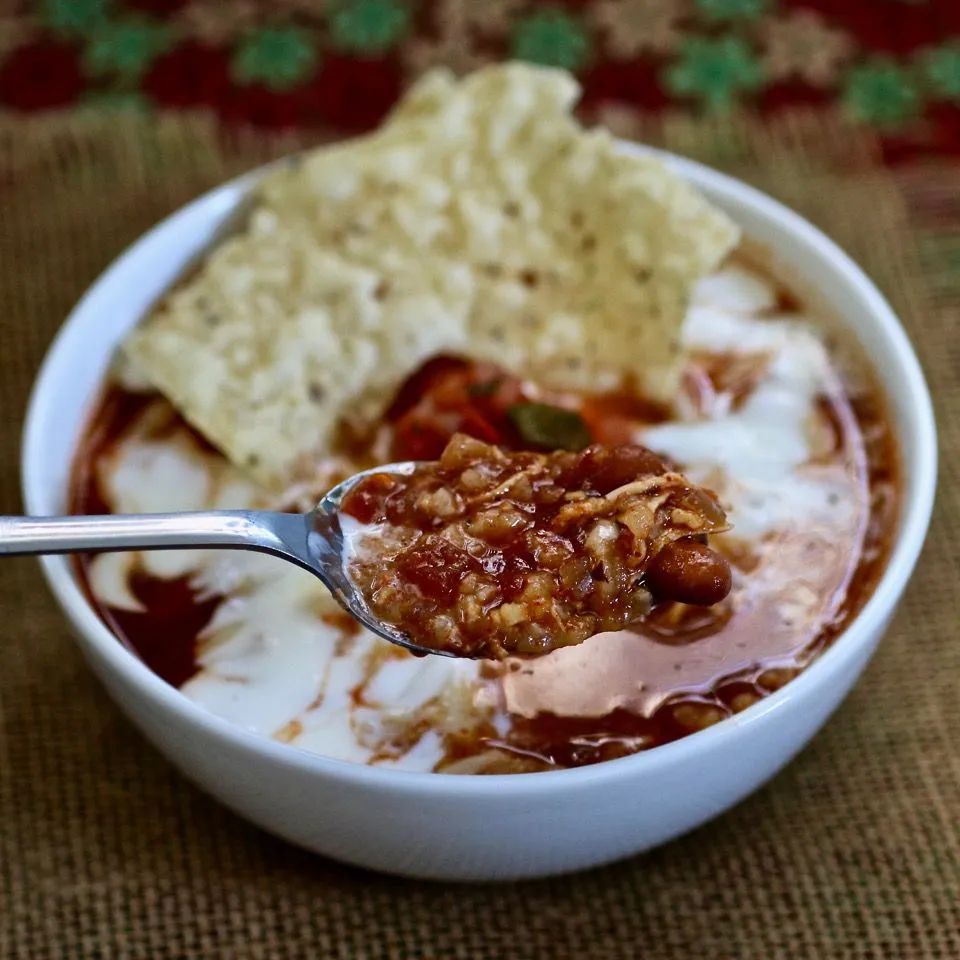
x=862, y=629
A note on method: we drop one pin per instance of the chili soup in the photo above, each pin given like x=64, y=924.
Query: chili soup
x=786, y=430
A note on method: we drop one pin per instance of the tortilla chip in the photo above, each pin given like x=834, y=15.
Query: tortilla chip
x=480, y=220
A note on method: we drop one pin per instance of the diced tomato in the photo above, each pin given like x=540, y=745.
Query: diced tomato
x=448, y=396
x=606, y=468
x=366, y=501
x=436, y=567
x=617, y=418
x=474, y=424
x=420, y=383
x=418, y=435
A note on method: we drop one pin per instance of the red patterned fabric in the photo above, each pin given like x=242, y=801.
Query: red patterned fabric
x=891, y=64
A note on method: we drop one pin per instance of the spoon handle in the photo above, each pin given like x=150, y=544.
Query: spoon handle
x=245, y=529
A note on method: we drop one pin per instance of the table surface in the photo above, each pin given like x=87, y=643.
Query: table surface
x=105, y=851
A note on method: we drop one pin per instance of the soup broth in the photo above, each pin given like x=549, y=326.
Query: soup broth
x=798, y=451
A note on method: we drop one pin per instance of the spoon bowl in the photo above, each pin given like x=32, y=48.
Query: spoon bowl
x=324, y=549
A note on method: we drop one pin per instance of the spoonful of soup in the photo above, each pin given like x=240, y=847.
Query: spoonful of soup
x=481, y=554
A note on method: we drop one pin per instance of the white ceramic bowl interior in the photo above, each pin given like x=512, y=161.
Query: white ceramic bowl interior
x=472, y=827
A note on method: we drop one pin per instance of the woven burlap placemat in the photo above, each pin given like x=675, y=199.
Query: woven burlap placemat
x=105, y=851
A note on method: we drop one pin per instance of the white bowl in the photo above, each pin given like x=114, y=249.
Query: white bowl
x=477, y=827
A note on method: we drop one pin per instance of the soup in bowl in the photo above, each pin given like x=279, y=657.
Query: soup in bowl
x=798, y=403
x=795, y=442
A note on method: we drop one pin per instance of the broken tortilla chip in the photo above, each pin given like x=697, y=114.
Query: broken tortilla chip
x=480, y=220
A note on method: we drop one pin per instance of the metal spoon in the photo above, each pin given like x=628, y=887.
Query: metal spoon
x=312, y=540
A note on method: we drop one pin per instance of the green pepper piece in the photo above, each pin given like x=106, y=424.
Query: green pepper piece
x=546, y=427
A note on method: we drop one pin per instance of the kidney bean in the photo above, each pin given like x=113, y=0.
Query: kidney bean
x=689, y=572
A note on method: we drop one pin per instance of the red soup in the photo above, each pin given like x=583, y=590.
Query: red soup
x=797, y=450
